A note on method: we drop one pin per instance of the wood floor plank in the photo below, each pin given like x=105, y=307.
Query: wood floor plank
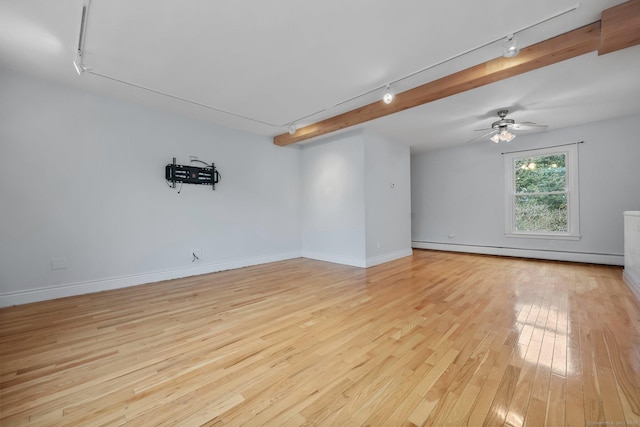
x=538, y=403
x=594, y=407
x=479, y=365
x=624, y=373
x=556, y=403
x=433, y=339
x=490, y=387
x=607, y=383
x=502, y=399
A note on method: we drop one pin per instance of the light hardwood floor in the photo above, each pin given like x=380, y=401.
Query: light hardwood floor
x=433, y=339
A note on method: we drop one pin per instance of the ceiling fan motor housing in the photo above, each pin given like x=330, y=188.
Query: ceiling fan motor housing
x=504, y=123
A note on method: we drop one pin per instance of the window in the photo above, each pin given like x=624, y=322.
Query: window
x=542, y=193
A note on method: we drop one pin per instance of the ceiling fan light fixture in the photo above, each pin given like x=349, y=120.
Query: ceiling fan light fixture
x=503, y=136
x=388, y=96
x=510, y=47
x=500, y=130
x=507, y=136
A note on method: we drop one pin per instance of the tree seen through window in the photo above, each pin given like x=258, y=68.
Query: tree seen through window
x=541, y=193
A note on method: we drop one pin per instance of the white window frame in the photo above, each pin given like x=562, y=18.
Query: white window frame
x=573, y=199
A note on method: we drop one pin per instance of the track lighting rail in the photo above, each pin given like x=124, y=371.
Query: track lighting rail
x=289, y=125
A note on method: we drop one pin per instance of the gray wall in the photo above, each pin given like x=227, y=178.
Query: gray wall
x=85, y=206
x=83, y=191
x=387, y=197
x=460, y=191
x=83, y=185
x=351, y=213
x=333, y=201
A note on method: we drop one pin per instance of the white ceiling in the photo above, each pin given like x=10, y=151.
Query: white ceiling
x=260, y=65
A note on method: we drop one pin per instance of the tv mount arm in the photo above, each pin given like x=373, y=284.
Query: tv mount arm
x=207, y=175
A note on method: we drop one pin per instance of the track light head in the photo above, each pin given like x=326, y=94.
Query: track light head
x=510, y=47
x=79, y=67
x=388, y=96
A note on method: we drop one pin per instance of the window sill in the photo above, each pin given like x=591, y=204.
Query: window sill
x=547, y=236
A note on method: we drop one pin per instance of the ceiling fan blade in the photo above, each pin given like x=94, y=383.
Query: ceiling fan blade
x=493, y=131
x=485, y=129
x=528, y=126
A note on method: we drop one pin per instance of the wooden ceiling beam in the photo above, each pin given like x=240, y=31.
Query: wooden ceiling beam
x=620, y=27
x=569, y=45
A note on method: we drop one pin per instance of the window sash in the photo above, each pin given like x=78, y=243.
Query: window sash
x=571, y=192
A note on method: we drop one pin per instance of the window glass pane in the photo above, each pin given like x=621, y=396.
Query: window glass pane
x=541, y=174
x=543, y=213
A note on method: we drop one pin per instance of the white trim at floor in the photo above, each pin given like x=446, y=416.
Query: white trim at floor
x=524, y=253
x=91, y=286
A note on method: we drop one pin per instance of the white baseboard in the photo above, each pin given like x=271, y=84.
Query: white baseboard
x=357, y=262
x=381, y=259
x=320, y=256
x=632, y=281
x=91, y=286
x=525, y=253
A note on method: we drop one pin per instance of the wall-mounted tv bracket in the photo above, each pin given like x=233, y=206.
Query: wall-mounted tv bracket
x=192, y=174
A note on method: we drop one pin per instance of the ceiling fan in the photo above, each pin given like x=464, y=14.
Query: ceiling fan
x=501, y=130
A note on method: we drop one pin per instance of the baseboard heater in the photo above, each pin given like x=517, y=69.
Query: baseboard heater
x=588, y=257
